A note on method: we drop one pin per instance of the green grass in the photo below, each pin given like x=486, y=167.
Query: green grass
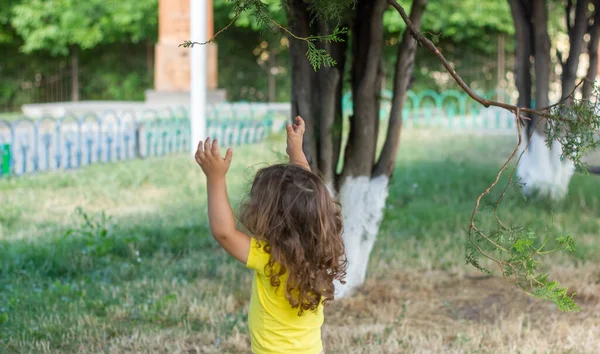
x=147, y=277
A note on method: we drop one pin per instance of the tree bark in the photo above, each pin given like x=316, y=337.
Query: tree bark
x=592, y=71
x=576, y=33
x=74, y=51
x=542, y=61
x=405, y=63
x=521, y=13
x=317, y=96
x=303, y=77
x=367, y=46
x=330, y=81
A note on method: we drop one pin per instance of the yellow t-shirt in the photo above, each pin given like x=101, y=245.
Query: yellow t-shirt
x=275, y=326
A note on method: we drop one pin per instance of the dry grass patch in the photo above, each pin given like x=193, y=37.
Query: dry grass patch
x=421, y=312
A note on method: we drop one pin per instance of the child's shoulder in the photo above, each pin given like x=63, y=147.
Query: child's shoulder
x=258, y=256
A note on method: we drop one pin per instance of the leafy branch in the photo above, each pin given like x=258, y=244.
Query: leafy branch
x=573, y=123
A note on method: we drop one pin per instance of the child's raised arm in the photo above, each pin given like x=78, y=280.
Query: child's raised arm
x=295, y=133
x=220, y=214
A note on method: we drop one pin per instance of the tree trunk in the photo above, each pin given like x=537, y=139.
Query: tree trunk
x=367, y=46
x=405, y=62
x=521, y=13
x=541, y=45
x=541, y=168
x=271, y=83
x=364, y=185
x=74, y=74
x=592, y=71
x=303, y=77
x=316, y=96
x=576, y=33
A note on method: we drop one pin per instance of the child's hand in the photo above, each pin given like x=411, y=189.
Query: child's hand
x=208, y=156
x=295, y=132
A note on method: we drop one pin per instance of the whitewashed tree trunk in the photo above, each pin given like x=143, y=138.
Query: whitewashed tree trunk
x=542, y=170
x=362, y=185
x=363, y=202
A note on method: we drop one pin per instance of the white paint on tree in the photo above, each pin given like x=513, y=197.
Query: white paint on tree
x=542, y=170
x=363, y=202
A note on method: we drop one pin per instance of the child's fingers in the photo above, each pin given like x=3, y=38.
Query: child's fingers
x=200, y=152
x=215, y=148
x=200, y=147
x=229, y=155
x=300, y=124
x=207, y=146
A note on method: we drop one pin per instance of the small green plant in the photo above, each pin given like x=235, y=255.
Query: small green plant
x=100, y=241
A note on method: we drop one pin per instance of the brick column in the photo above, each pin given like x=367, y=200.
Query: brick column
x=172, y=63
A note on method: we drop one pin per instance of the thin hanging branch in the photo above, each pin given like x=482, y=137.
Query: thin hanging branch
x=191, y=44
x=516, y=255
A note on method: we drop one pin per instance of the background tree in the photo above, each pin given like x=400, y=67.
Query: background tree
x=65, y=27
x=542, y=168
x=593, y=31
x=467, y=35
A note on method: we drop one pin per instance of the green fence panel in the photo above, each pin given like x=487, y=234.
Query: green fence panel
x=6, y=160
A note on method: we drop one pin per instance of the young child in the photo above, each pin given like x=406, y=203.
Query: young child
x=295, y=245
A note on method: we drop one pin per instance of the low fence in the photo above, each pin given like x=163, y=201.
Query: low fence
x=450, y=109
x=69, y=142
x=78, y=139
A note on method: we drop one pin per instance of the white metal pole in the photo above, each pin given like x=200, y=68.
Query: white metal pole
x=198, y=72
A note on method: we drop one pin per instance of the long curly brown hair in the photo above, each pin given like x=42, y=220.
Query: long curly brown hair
x=291, y=210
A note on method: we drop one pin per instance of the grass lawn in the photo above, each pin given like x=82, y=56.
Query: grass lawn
x=148, y=278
